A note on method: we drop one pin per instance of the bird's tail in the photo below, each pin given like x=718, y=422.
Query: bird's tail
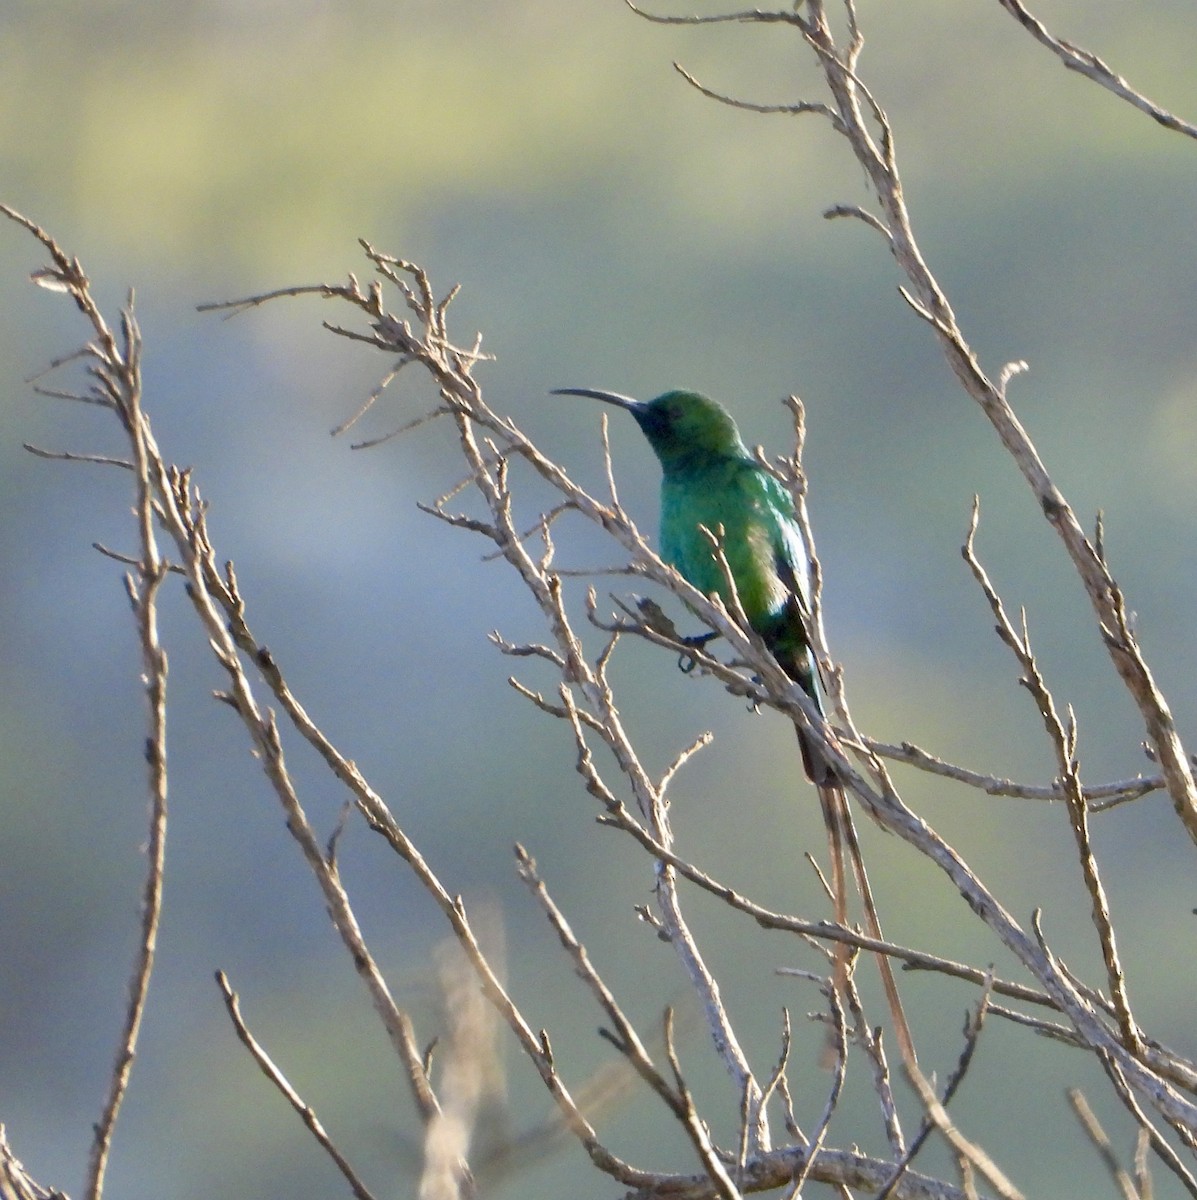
x=845, y=850
x=814, y=762
x=844, y=846
x=818, y=770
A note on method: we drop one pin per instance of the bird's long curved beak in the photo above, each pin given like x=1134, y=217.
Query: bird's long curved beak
x=620, y=401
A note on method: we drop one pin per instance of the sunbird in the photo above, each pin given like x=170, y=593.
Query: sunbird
x=710, y=482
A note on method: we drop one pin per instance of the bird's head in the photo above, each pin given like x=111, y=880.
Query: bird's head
x=684, y=428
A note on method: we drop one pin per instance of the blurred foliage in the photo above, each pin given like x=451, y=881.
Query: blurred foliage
x=611, y=228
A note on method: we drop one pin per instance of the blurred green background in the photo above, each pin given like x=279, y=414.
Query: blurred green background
x=610, y=228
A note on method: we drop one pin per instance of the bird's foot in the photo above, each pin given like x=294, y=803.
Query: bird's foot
x=687, y=662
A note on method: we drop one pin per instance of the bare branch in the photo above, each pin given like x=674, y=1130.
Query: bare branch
x=747, y=15
x=854, y=211
x=1063, y=742
x=623, y=1035
x=1098, y=797
x=234, y=308
x=927, y=298
x=1086, y=63
x=1094, y=1132
x=15, y=1181
x=967, y=1151
x=68, y=456
x=375, y=392
x=972, y=1034
x=306, y=1112
x=696, y=1128
x=792, y=110
x=1159, y=1144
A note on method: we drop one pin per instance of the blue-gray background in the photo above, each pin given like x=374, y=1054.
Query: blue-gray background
x=610, y=228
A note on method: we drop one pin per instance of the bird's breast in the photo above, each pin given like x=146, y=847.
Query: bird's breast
x=748, y=543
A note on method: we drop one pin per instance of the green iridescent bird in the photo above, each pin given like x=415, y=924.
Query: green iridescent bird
x=710, y=480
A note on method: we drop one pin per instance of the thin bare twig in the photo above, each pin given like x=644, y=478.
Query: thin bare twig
x=622, y=1035
x=973, y=1025
x=1086, y=63
x=130, y=561
x=814, y=1144
x=746, y=16
x=1160, y=1145
x=268, y=1068
x=1063, y=741
x=791, y=110
x=967, y=1151
x=115, y=365
x=1097, y=1135
x=103, y=460
x=15, y=1182
x=1098, y=797
x=694, y=1125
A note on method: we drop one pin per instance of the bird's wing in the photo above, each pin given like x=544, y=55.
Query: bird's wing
x=791, y=557
x=793, y=565
x=791, y=561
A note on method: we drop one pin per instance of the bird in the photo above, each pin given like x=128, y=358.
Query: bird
x=711, y=485
x=710, y=481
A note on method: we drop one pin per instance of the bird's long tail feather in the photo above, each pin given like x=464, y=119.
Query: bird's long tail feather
x=844, y=846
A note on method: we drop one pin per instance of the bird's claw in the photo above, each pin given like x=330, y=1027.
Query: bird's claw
x=687, y=662
x=754, y=705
